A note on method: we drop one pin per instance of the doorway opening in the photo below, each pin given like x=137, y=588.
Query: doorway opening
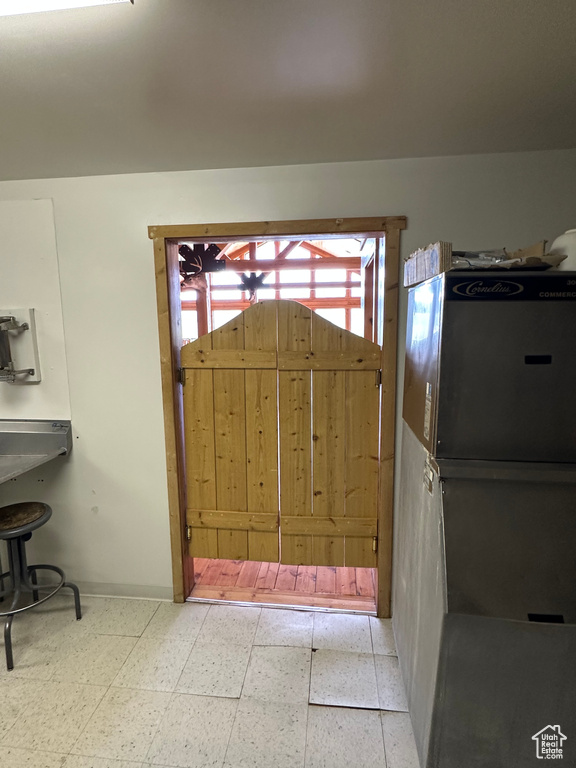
x=346, y=270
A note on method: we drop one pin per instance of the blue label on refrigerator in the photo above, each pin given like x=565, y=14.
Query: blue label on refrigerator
x=511, y=286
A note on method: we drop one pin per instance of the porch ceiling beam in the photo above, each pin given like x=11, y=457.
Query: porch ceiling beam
x=317, y=251
x=289, y=248
x=238, y=253
x=279, y=286
x=224, y=251
x=240, y=304
x=353, y=263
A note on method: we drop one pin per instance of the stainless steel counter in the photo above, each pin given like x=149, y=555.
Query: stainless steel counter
x=26, y=444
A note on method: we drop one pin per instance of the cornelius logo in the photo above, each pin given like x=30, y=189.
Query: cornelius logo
x=488, y=288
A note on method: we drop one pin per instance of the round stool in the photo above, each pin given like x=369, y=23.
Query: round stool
x=17, y=521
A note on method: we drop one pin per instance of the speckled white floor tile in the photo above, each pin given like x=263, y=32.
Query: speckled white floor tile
x=343, y=679
x=54, y=617
x=154, y=665
x=177, y=622
x=91, y=659
x=215, y=670
x=77, y=761
x=342, y=632
x=229, y=624
x=281, y=627
x=16, y=694
x=391, y=693
x=278, y=674
x=54, y=721
x=33, y=660
x=399, y=740
x=194, y=733
x=26, y=758
x=123, y=726
x=382, y=636
x=117, y=616
x=30, y=646
x=341, y=738
x=267, y=734
x=36, y=636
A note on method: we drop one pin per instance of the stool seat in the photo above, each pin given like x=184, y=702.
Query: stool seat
x=17, y=519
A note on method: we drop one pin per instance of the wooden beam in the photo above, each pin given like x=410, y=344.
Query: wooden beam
x=192, y=357
x=289, y=248
x=238, y=521
x=238, y=253
x=223, y=253
x=277, y=251
x=368, y=300
x=200, y=285
x=389, y=320
x=274, y=230
x=169, y=330
x=317, y=251
x=241, y=251
x=328, y=361
x=353, y=263
x=241, y=304
x=277, y=286
x=329, y=526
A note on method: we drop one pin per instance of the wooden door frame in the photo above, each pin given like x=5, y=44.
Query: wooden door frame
x=166, y=240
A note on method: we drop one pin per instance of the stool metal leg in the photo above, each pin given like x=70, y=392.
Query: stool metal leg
x=14, y=564
x=77, y=605
x=34, y=580
x=8, y=642
x=26, y=571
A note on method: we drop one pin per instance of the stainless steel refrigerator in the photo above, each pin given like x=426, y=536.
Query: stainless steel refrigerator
x=484, y=586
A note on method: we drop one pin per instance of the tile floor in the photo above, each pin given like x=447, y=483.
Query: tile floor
x=144, y=683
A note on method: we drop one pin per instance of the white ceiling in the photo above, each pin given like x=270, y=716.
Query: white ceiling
x=188, y=84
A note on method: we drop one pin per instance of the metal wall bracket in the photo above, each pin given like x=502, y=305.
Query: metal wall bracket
x=18, y=348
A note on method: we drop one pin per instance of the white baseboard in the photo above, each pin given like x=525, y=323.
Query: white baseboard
x=143, y=592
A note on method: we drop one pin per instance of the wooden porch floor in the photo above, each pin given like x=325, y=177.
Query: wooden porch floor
x=351, y=589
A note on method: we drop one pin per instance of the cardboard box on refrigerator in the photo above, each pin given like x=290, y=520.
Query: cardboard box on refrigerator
x=427, y=262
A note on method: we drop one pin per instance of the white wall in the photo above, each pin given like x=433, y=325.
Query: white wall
x=110, y=523
x=29, y=279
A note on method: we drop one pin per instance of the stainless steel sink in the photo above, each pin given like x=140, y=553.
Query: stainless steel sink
x=25, y=444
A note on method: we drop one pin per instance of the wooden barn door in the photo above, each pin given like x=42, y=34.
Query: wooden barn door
x=281, y=419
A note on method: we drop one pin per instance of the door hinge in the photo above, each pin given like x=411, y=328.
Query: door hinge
x=181, y=376
x=375, y=544
x=378, y=377
x=188, y=532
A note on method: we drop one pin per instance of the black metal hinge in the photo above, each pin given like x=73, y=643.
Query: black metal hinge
x=188, y=532
x=378, y=377
x=181, y=376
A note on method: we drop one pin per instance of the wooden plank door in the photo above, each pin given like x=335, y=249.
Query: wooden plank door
x=231, y=438
x=329, y=441
x=281, y=416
